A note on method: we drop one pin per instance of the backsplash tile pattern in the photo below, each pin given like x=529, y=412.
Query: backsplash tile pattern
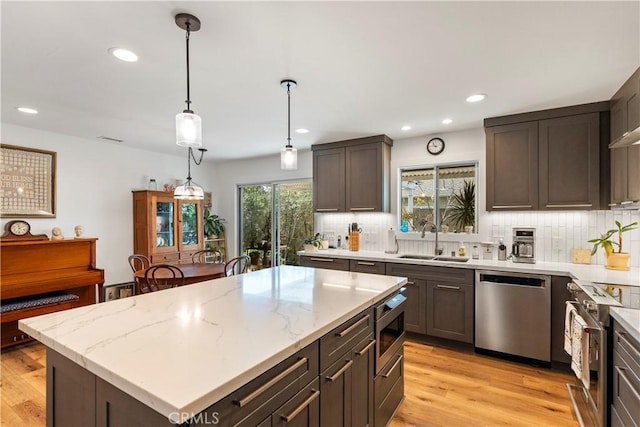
x=557, y=233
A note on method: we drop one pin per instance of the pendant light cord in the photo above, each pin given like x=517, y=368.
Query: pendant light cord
x=188, y=101
x=288, y=115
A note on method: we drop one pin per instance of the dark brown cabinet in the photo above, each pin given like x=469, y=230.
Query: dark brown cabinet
x=625, y=405
x=324, y=262
x=363, y=266
x=415, y=312
x=548, y=160
x=625, y=112
x=352, y=175
x=559, y=297
x=450, y=310
x=625, y=175
x=512, y=166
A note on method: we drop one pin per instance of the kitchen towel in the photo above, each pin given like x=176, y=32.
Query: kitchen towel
x=569, y=312
x=580, y=349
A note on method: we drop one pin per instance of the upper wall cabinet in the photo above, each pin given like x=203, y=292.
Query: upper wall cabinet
x=549, y=160
x=352, y=175
x=625, y=113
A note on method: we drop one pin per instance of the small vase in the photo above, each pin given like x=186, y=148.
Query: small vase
x=468, y=229
x=618, y=261
x=310, y=248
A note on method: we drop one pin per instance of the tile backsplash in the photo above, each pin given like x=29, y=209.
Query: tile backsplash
x=557, y=233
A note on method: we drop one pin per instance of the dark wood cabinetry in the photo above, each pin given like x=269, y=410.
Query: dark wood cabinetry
x=625, y=112
x=324, y=262
x=548, y=160
x=415, y=312
x=352, y=175
x=165, y=229
x=362, y=266
x=625, y=175
x=625, y=405
x=559, y=297
x=450, y=310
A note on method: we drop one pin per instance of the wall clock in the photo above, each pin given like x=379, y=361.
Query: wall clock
x=20, y=230
x=435, y=146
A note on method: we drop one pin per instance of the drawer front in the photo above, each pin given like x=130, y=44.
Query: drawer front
x=443, y=274
x=343, y=338
x=303, y=409
x=252, y=403
x=325, y=262
x=165, y=258
x=389, y=389
x=373, y=267
x=628, y=347
x=626, y=391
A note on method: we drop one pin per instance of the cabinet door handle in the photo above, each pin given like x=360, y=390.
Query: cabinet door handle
x=371, y=264
x=628, y=202
x=448, y=287
x=623, y=373
x=366, y=348
x=511, y=207
x=393, y=367
x=252, y=396
x=341, y=371
x=411, y=283
x=571, y=205
x=362, y=209
x=322, y=259
x=307, y=402
x=327, y=210
x=352, y=327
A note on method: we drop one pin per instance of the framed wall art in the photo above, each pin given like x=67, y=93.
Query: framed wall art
x=27, y=182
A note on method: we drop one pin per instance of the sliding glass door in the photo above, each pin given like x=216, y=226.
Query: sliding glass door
x=275, y=218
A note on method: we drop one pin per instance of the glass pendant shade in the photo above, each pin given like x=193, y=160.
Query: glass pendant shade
x=188, y=130
x=289, y=158
x=189, y=191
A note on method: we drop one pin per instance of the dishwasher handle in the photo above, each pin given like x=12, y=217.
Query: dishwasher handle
x=533, y=281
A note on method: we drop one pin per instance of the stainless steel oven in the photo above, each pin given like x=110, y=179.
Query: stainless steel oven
x=390, y=334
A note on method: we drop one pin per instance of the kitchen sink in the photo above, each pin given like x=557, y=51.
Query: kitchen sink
x=435, y=258
x=409, y=256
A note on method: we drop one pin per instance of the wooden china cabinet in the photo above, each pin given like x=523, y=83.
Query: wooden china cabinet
x=165, y=229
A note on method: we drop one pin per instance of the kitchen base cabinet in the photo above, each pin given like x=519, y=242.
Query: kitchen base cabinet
x=415, y=313
x=450, y=310
x=302, y=410
x=324, y=262
x=559, y=297
x=389, y=389
x=361, y=266
x=626, y=379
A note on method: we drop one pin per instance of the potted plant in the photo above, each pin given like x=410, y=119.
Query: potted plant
x=463, y=207
x=313, y=243
x=213, y=226
x=616, y=260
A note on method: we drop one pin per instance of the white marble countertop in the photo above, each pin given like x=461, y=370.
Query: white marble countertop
x=181, y=350
x=591, y=273
x=628, y=318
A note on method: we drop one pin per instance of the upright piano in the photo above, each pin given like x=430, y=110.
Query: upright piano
x=39, y=277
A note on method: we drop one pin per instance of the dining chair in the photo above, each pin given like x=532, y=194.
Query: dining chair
x=139, y=262
x=161, y=276
x=237, y=265
x=211, y=256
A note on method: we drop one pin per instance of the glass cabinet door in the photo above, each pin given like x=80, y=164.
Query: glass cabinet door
x=190, y=233
x=165, y=227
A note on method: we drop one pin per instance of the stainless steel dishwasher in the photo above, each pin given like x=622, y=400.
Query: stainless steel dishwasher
x=513, y=314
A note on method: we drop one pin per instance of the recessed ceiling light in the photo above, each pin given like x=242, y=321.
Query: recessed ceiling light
x=447, y=121
x=123, y=54
x=405, y=128
x=302, y=130
x=476, y=97
x=27, y=110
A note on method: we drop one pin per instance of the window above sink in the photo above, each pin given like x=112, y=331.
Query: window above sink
x=448, y=189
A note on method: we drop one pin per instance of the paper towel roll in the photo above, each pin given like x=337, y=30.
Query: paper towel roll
x=390, y=245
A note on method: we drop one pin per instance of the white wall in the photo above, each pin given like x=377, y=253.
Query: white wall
x=94, y=183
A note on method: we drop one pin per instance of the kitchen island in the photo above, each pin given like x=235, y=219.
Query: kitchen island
x=179, y=351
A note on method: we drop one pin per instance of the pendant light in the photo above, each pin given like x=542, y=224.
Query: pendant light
x=188, y=124
x=288, y=155
x=190, y=190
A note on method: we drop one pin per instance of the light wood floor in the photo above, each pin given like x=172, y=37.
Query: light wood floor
x=443, y=388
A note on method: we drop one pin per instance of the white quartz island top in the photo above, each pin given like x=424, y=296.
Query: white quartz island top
x=181, y=350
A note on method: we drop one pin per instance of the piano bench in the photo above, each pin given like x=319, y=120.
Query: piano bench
x=36, y=301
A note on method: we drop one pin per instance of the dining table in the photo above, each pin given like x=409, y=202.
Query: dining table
x=193, y=273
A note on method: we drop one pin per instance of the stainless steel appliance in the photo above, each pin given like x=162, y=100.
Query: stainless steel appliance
x=513, y=314
x=390, y=334
x=592, y=302
x=524, y=245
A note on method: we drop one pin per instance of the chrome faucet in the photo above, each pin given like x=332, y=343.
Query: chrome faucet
x=425, y=223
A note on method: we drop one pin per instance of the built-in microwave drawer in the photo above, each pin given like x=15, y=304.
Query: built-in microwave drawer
x=336, y=343
x=325, y=262
x=373, y=267
x=252, y=403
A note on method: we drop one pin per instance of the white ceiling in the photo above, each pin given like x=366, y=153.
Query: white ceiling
x=363, y=68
